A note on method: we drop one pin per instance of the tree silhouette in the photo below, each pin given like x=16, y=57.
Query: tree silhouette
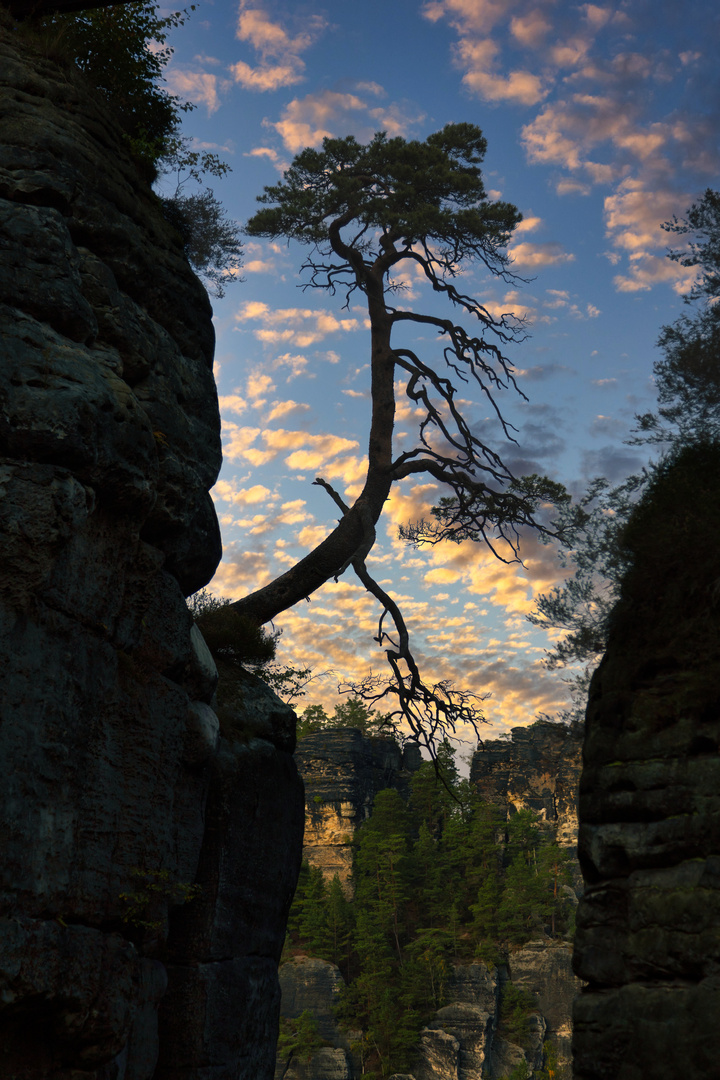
x=368, y=212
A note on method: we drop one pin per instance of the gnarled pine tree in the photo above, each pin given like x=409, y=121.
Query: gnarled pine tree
x=367, y=212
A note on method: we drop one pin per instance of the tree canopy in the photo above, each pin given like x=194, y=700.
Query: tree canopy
x=368, y=213
x=687, y=377
x=440, y=879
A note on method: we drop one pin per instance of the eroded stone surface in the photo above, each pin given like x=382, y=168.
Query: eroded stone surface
x=537, y=769
x=117, y=789
x=649, y=842
x=342, y=771
x=544, y=969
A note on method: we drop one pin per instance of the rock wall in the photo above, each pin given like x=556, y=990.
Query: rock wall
x=343, y=771
x=537, y=768
x=465, y=1039
x=648, y=925
x=308, y=983
x=118, y=790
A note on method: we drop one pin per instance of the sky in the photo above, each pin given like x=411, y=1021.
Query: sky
x=601, y=123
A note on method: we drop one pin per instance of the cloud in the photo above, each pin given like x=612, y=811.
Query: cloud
x=307, y=121
x=279, y=51
x=284, y=408
x=612, y=107
x=442, y=576
x=531, y=29
x=478, y=57
x=541, y=372
x=307, y=451
x=561, y=300
x=200, y=87
x=297, y=326
x=528, y=224
x=297, y=364
x=267, y=151
x=226, y=491
x=614, y=462
x=607, y=427
x=232, y=403
x=537, y=255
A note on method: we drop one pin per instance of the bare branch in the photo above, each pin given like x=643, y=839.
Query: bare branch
x=428, y=711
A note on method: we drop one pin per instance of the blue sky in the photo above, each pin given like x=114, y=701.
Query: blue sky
x=602, y=122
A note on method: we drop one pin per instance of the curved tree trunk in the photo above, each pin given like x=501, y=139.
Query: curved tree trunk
x=336, y=550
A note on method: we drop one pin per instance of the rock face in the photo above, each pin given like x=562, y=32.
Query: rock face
x=544, y=968
x=538, y=769
x=118, y=790
x=308, y=983
x=647, y=928
x=458, y=1042
x=464, y=1041
x=343, y=771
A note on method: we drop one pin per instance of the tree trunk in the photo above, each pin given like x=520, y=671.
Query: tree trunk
x=337, y=549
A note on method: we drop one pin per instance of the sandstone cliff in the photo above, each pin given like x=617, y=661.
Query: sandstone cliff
x=343, y=771
x=118, y=790
x=647, y=930
x=465, y=1040
x=537, y=768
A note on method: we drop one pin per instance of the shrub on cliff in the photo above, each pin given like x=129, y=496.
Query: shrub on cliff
x=111, y=47
x=122, y=51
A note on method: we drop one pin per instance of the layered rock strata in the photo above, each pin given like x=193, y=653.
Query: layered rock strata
x=537, y=768
x=343, y=770
x=118, y=791
x=314, y=985
x=648, y=926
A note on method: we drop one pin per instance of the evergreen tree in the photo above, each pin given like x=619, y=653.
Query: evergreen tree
x=339, y=924
x=474, y=887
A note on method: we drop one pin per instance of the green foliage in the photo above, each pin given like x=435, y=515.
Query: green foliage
x=239, y=643
x=521, y=1072
x=235, y=638
x=550, y=1067
x=442, y=878
x=122, y=51
x=111, y=46
x=154, y=888
x=353, y=713
x=428, y=192
x=300, y=1037
x=688, y=375
x=211, y=238
x=516, y=1005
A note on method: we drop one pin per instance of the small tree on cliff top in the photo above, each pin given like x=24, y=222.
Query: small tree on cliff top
x=367, y=212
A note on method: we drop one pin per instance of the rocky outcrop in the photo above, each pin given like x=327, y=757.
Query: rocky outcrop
x=648, y=925
x=343, y=770
x=310, y=984
x=458, y=1042
x=465, y=1040
x=118, y=790
x=537, y=768
x=544, y=969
